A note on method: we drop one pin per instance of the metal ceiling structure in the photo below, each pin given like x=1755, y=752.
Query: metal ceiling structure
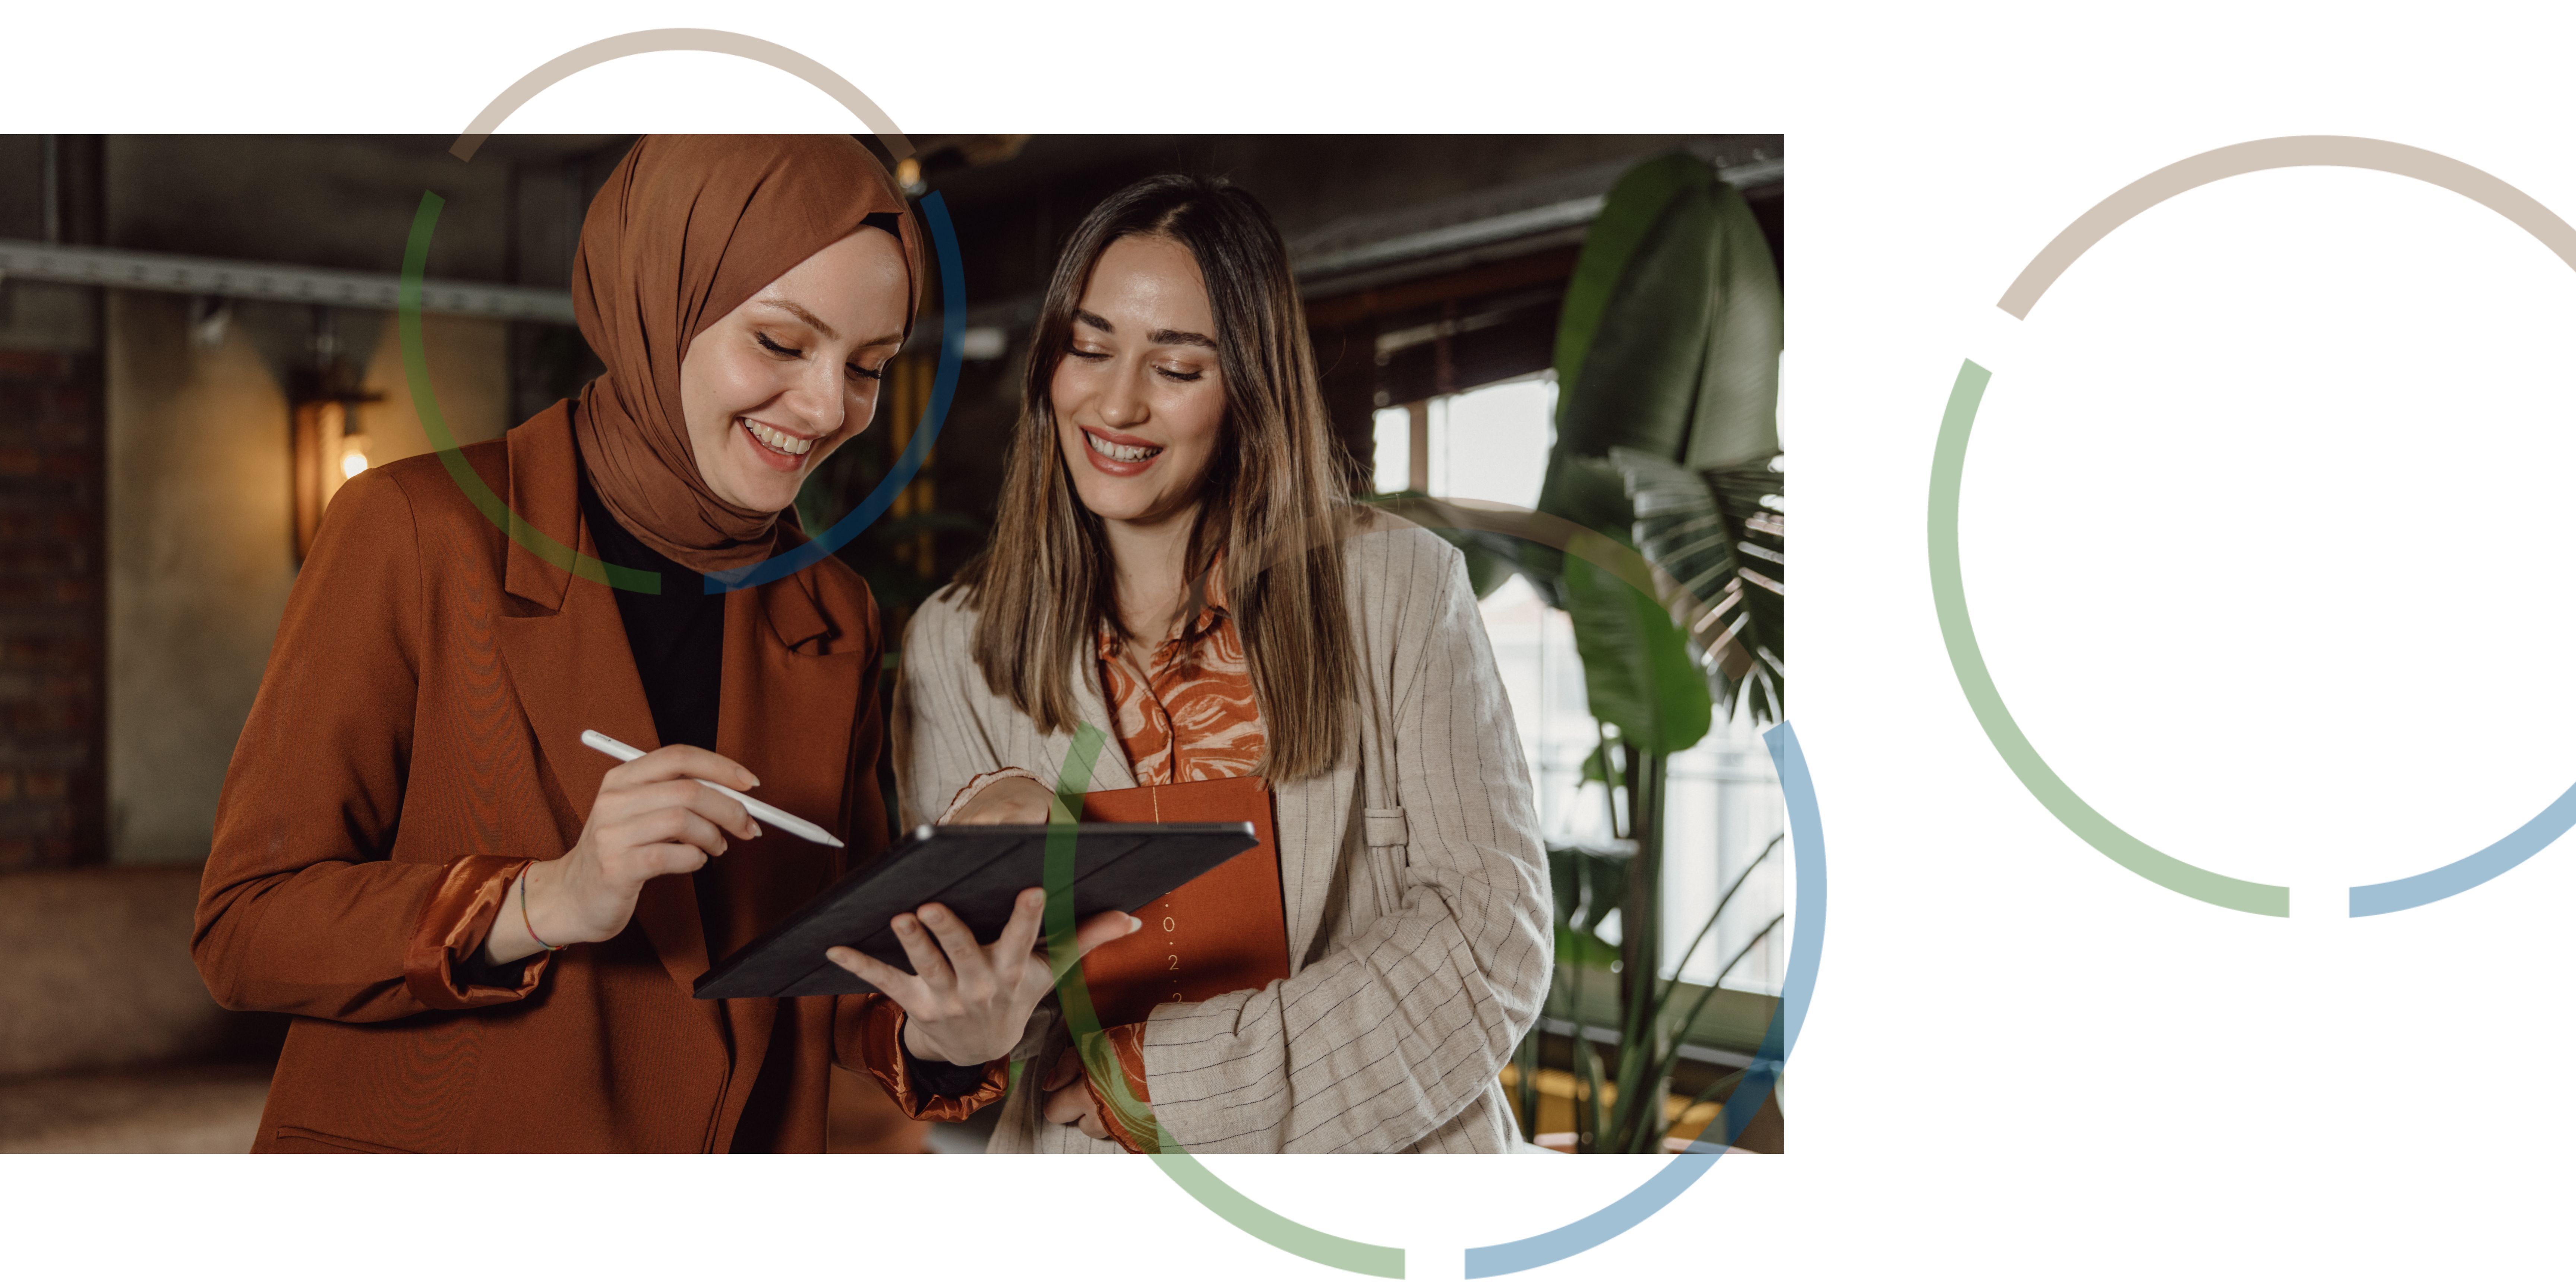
x=288, y=283
x=1522, y=217
x=1434, y=237
x=1348, y=255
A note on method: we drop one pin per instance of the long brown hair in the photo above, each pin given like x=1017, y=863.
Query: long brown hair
x=1272, y=500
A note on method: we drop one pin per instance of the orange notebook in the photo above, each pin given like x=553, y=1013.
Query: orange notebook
x=1226, y=930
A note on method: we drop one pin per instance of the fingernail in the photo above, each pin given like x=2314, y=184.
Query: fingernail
x=751, y=778
x=1133, y=923
x=755, y=829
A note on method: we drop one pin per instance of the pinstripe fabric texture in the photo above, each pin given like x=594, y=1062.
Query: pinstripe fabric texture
x=1415, y=887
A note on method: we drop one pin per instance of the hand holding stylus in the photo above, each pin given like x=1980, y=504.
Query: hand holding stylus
x=766, y=813
x=658, y=814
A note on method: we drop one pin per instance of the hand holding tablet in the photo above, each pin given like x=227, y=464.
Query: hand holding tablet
x=980, y=879
x=965, y=1002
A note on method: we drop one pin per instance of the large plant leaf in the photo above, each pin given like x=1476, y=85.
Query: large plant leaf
x=1588, y=492
x=1716, y=546
x=1637, y=667
x=1669, y=348
x=1630, y=340
x=1749, y=498
x=1628, y=214
x=1736, y=420
x=1588, y=883
x=1638, y=385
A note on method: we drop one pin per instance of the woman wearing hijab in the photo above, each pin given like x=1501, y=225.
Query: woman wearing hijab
x=487, y=932
x=1175, y=563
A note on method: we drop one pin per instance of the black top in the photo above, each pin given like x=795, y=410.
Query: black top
x=677, y=638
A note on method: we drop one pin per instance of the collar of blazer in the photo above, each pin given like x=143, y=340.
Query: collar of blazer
x=544, y=491
x=788, y=704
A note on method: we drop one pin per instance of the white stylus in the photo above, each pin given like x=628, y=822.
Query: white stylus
x=597, y=741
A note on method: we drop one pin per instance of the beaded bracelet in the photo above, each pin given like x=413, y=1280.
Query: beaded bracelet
x=523, y=915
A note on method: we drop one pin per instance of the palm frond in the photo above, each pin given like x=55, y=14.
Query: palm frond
x=1716, y=541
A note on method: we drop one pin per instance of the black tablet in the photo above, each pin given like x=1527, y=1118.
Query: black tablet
x=976, y=871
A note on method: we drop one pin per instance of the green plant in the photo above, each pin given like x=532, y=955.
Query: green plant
x=1589, y=883
x=1716, y=541
x=1650, y=1042
x=1667, y=361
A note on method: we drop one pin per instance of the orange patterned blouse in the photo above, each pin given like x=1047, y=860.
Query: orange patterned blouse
x=1191, y=717
x=1188, y=717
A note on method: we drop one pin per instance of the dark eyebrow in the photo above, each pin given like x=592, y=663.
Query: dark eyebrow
x=807, y=318
x=1090, y=319
x=826, y=328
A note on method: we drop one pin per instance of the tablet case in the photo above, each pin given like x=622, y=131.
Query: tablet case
x=1227, y=929
x=977, y=871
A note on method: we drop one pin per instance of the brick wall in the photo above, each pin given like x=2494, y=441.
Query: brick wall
x=52, y=634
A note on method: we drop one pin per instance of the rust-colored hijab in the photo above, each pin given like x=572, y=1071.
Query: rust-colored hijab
x=687, y=228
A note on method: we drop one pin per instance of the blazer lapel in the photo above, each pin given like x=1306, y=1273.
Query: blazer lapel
x=572, y=669
x=789, y=705
x=1111, y=772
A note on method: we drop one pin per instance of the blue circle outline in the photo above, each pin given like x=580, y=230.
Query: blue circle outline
x=1806, y=951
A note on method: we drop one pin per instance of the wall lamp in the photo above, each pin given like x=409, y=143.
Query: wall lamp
x=330, y=444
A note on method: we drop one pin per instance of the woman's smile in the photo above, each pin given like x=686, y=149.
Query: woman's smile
x=790, y=375
x=1124, y=455
x=774, y=447
x=1138, y=393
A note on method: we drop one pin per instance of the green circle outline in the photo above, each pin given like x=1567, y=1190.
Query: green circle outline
x=1950, y=604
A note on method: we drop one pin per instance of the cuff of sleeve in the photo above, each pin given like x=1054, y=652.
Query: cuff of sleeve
x=940, y=1078
x=879, y=1052
x=1137, y=1132
x=981, y=781
x=451, y=930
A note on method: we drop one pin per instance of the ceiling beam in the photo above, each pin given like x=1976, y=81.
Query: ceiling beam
x=287, y=283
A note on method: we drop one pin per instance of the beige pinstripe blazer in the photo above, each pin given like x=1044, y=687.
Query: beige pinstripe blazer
x=1415, y=884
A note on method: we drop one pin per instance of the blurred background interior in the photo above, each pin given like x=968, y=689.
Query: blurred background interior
x=198, y=346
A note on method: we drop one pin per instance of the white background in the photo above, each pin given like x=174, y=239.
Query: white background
x=2264, y=539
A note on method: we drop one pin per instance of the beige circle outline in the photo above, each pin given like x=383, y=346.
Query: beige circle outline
x=691, y=39
x=2283, y=153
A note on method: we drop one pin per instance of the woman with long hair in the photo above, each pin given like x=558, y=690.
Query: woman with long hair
x=486, y=931
x=1176, y=563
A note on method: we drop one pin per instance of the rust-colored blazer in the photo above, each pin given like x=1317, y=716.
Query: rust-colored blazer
x=416, y=742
